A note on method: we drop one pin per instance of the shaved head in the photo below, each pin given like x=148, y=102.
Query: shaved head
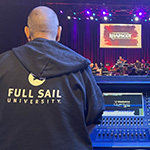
x=43, y=21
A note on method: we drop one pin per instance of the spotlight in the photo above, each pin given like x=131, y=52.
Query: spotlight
x=104, y=13
x=110, y=15
x=140, y=13
x=74, y=13
x=87, y=18
x=96, y=19
x=145, y=20
x=149, y=19
x=68, y=17
x=132, y=20
x=79, y=18
x=93, y=14
x=105, y=18
x=61, y=11
x=136, y=19
x=88, y=12
x=92, y=18
x=74, y=18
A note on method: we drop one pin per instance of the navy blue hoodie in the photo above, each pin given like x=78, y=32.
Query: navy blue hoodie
x=48, y=98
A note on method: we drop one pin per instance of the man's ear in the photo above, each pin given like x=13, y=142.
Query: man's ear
x=58, y=33
x=27, y=33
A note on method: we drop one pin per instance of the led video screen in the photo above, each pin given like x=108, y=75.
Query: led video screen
x=120, y=36
x=123, y=104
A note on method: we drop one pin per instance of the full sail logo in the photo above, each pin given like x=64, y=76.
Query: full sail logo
x=34, y=96
x=19, y=96
x=33, y=80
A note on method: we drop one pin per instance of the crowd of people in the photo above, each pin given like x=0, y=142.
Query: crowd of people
x=122, y=67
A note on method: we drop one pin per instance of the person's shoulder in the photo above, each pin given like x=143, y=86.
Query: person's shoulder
x=6, y=56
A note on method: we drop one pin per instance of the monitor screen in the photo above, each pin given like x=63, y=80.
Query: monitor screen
x=123, y=104
x=120, y=36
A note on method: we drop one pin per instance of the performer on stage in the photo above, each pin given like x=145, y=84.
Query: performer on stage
x=143, y=64
x=137, y=65
x=120, y=63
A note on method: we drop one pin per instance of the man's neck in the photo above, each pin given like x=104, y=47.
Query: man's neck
x=44, y=36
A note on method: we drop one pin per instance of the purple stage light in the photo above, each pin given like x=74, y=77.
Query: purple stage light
x=61, y=11
x=104, y=12
x=140, y=13
x=88, y=12
x=74, y=18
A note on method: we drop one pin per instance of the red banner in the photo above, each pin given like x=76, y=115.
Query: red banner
x=120, y=36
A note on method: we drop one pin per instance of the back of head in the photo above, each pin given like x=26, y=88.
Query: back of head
x=43, y=20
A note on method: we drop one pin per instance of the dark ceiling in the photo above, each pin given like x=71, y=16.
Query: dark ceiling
x=118, y=7
x=108, y=2
x=78, y=2
x=100, y=2
x=13, y=14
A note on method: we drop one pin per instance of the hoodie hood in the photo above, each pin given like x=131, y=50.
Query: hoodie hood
x=45, y=58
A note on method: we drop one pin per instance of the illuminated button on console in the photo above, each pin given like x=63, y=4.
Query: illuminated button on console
x=111, y=133
x=132, y=134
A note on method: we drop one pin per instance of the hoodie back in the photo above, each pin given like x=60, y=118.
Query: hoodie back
x=48, y=98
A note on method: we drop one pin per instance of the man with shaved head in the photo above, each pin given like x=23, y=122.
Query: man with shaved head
x=43, y=22
x=49, y=99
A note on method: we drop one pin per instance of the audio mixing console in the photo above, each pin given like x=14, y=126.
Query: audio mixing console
x=126, y=119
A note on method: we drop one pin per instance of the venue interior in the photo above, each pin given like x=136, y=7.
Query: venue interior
x=81, y=21
x=106, y=32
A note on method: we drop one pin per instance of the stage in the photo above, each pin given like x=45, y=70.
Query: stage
x=123, y=83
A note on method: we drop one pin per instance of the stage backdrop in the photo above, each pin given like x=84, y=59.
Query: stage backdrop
x=82, y=36
x=120, y=36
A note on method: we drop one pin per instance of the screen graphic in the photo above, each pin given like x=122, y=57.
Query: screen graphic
x=123, y=104
x=120, y=36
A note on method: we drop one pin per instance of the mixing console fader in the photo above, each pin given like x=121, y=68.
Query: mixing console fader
x=125, y=122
